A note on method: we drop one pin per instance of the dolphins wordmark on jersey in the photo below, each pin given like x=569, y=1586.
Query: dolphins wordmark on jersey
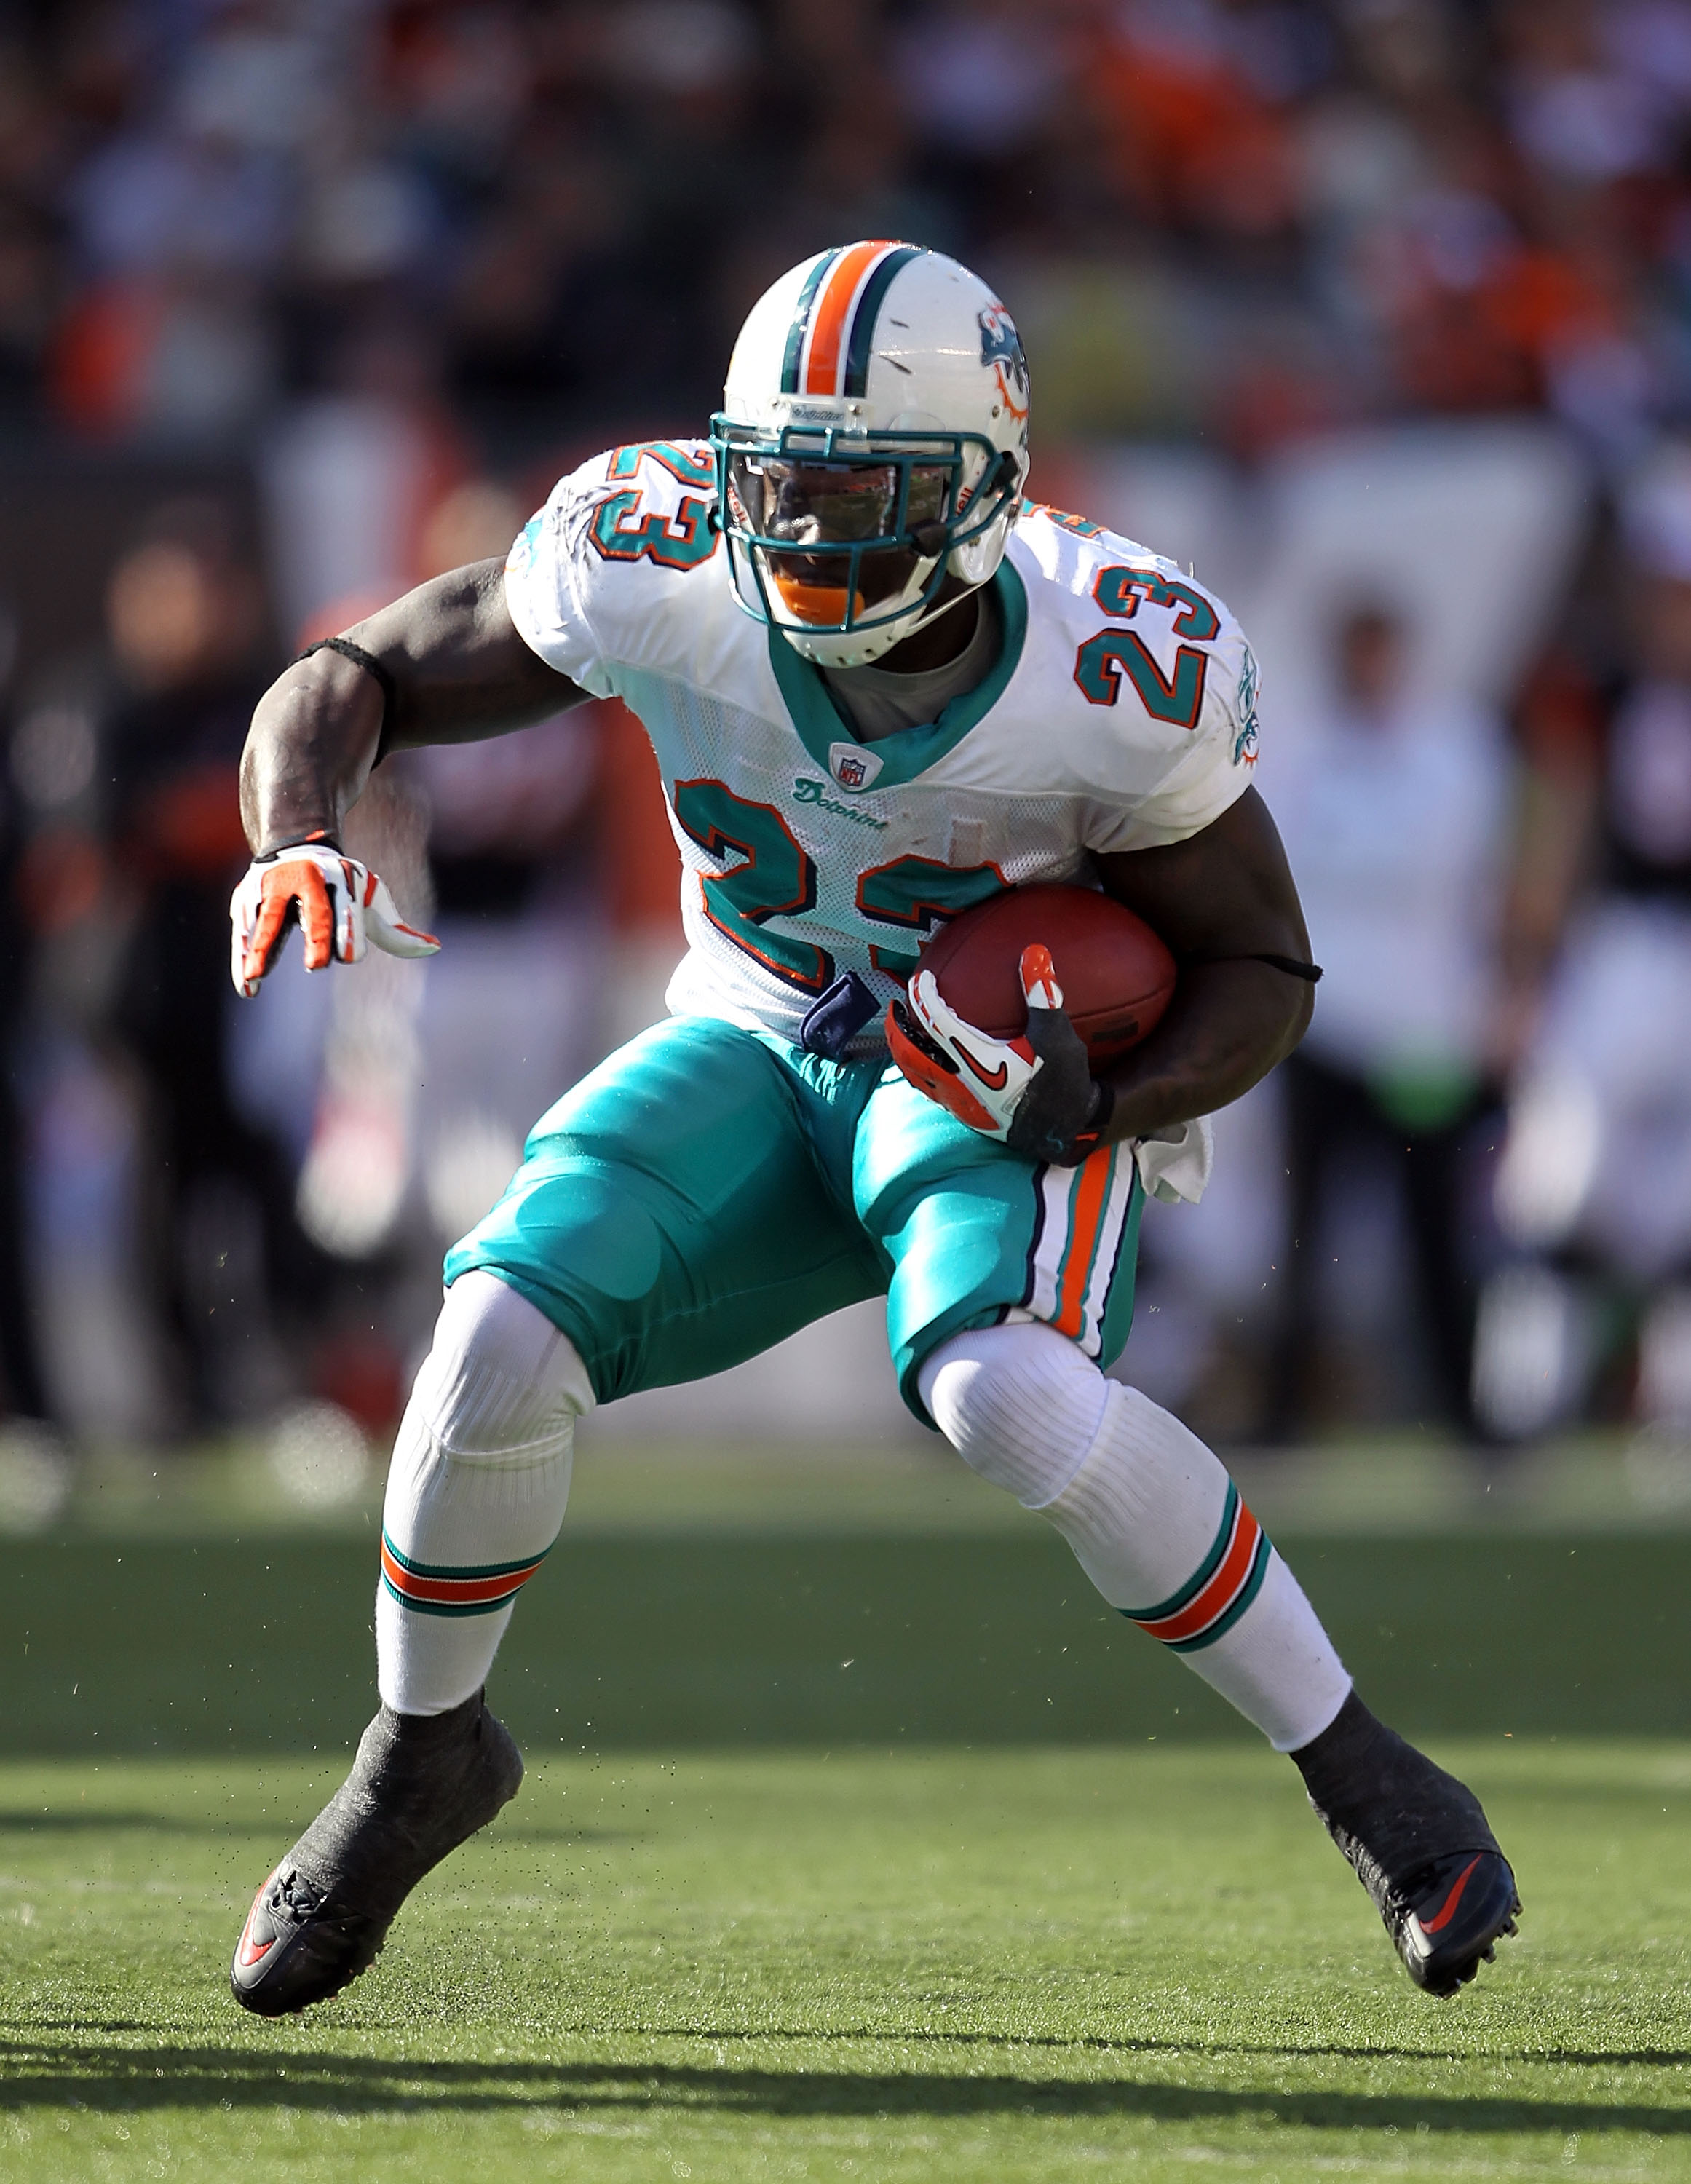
x=1122, y=714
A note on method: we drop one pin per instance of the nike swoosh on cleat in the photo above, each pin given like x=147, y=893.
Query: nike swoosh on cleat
x=1447, y=1910
x=247, y=1953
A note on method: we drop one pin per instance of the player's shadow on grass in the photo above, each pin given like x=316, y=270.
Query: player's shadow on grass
x=73, y=1821
x=36, y=2074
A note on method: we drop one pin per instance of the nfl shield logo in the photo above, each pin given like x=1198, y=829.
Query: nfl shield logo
x=851, y=766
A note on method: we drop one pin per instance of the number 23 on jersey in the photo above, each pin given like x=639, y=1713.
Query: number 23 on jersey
x=777, y=877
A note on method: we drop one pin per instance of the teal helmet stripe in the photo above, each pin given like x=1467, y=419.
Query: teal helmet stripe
x=801, y=320
x=868, y=310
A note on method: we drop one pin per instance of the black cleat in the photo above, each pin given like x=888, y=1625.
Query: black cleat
x=1455, y=1915
x=1419, y=1844
x=420, y=1785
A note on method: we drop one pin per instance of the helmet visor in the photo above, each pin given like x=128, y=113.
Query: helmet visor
x=835, y=537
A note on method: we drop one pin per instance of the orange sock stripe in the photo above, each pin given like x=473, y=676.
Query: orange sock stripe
x=1217, y=1596
x=479, y=1589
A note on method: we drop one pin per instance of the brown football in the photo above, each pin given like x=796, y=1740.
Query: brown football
x=1117, y=977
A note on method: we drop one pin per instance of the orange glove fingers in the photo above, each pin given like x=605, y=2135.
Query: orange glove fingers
x=304, y=883
x=267, y=931
x=1039, y=978
x=285, y=886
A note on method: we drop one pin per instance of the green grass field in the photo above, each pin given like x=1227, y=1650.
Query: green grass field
x=840, y=1857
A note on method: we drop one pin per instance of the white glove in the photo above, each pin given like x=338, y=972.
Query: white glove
x=1036, y=1092
x=337, y=903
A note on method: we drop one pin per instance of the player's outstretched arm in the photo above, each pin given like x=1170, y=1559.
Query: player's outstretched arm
x=458, y=670
x=1223, y=900
x=445, y=663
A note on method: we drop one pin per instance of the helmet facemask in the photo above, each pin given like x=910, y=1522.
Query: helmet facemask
x=842, y=541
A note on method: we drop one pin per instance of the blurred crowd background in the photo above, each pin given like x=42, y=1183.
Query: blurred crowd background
x=1377, y=313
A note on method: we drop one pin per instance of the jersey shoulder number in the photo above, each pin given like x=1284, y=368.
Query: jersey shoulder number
x=1145, y=630
x=1175, y=693
x=616, y=550
x=659, y=505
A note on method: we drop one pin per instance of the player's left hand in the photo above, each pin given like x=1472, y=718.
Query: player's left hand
x=339, y=904
x=1036, y=1093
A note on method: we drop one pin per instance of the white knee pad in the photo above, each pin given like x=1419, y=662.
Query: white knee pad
x=488, y=1433
x=477, y=1490
x=1021, y=1404
x=501, y=1383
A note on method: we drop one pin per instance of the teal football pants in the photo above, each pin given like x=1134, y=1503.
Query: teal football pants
x=708, y=1190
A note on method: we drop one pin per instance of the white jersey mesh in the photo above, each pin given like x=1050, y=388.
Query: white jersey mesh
x=806, y=853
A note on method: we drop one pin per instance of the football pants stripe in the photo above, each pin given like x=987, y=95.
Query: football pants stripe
x=1077, y=1248
x=1092, y=1189
x=1107, y=1253
x=436, y=1589
x=1050, y=1242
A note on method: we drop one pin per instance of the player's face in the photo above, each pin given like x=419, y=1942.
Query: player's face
x=815, y=503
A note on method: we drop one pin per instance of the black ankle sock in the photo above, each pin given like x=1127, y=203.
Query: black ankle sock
x=421, y=1784
x=1379, y=1796
x=429, y=1732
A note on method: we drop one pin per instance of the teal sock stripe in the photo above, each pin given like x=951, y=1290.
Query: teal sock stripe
x=448, y=1607
x=485, y=1573
x=450, y=1570
x=1242, y=1599
x=1207, y=1569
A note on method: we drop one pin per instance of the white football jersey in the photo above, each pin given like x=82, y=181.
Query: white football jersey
x=1122, y=714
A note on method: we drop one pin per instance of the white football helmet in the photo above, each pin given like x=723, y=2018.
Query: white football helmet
x=872, y=439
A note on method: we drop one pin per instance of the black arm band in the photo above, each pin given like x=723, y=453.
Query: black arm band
x=372, y=666
x=1308, y=972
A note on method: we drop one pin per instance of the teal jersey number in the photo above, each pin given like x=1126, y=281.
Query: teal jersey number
x=776, y=879
x=1118, y=591
x=919, y=894
x=1082, y=525
x=620, y=532
x=1178, y=698
x=699, y=472
x=1100, y=662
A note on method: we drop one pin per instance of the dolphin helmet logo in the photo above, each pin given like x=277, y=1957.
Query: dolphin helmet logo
x=1001, y=348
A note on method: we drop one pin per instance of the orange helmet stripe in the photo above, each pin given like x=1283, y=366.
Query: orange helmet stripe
x=833, y=314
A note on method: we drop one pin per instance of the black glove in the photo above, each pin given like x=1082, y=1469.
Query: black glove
x=1061, y=1117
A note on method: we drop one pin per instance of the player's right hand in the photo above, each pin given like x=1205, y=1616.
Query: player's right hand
x=1036, y=1093
x=338, y=904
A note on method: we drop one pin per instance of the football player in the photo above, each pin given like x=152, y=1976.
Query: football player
x=881, y=687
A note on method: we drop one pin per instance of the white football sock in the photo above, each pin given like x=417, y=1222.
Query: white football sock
x=475, y=1491
x=1154, y=1518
